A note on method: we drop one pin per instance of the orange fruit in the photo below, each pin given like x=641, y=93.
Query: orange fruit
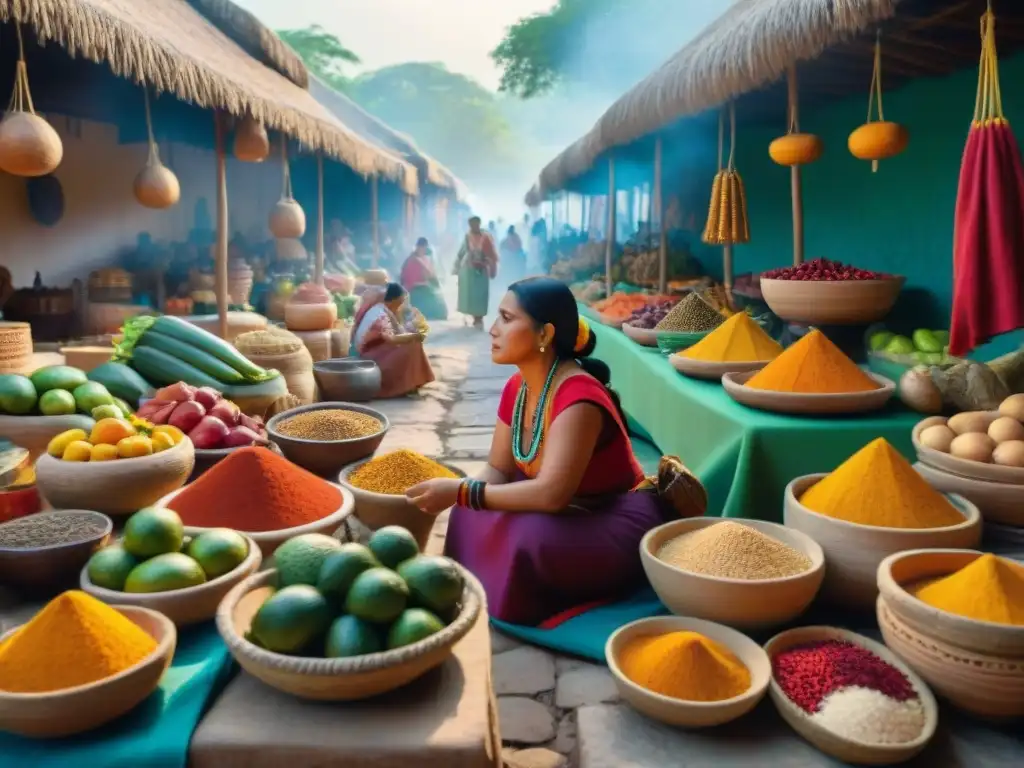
x=134, y=447
x=77, y=450
x=104, y=452
x=110, y=431
x=174, y=433
x=161, y=441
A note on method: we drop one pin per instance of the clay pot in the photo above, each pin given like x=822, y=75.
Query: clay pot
x=251, y=142
x=287, y=219
x=157, y=187
x=28, y=145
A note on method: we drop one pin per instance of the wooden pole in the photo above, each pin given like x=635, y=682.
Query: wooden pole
x=319, y=268
x=374, y=215
x=658, y=210
x=609, y=244
x=221, y=248
x=795, y=182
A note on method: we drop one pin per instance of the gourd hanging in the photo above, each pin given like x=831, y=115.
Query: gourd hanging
x=251, y=142
x=727, y=222
x=795, y=148
x=287, y=219
x=28, y=144
x=877, y=139
x=156, y=186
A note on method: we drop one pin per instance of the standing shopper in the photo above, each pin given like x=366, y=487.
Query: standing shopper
x=476, y=265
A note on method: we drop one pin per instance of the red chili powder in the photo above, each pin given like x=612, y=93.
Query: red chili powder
x=809, y=673
x=254, y=490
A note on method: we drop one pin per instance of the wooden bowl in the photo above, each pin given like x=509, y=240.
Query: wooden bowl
x=819, y=302
x=206, y=458
x=711, y=371
x=346, y=679
x=804, y=404
x=85, y=707
x=376, y=510
x=998, y=502
x=645, y=337
x=116, y=488
x=50, y=566
x=906, y=570
x=854, y=551
x=191, y=605
x=268, y=541
x=987, y=686
x=327, y=457
x=975, y=470
x=678, y=712
x=841, y=747
x=741, y=603
x=34, y=433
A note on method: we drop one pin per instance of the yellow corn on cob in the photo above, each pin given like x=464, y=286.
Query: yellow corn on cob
x=740, y=195
x=714, y=211
x=723, y=216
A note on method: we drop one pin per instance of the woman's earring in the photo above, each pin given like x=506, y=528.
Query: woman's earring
x=542, y=348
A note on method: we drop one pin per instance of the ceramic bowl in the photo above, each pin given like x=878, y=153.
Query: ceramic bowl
x=855, y=551
x=746, y=604
x=807, y=405
x=268, y=541
x=347, y=379
x=678, y=712
x=376, y=510
x=345, y=679
x=85, y=707
x=645, y=337
x=998, y=502
x=711, y=371
x=116, y=488
x=51, y=566
x=975, y=470
x=327, y=457
x=191, y=605
x=819, y=302
x=901, y=573
x=985, y=685
x=843, y=748
x=34, y=433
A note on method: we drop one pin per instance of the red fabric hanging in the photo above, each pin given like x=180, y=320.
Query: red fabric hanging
x=988, y=235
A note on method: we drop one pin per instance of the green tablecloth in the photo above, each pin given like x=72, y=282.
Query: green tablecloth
x=744, y=457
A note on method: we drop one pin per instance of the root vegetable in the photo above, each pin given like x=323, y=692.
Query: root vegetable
x=209, y=433
x=1009, y=454
x=1013, y=406
x=208, y=397
x=973, y=446
x=180, y=392
x=186, y=416
x=240, y=436
x=918, y=391
x=1005, y=429
x=226, y=411
x=938, y=437
x=971, y=421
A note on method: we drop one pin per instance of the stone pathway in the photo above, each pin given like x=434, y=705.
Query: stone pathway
x=539, y=693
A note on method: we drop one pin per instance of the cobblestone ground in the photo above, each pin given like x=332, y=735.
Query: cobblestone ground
x=540, y=694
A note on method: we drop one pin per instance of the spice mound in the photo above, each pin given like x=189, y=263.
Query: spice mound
x=738, y=340
x=850, y=691
x=49, y=530
x=329, y=424
x=878, y=487
x=813, y=366
x=74, y=640
x=691, y=315
x=395, y=473
x=733, y=551
x=684, y=665
x=989, y=589
x=253, y=491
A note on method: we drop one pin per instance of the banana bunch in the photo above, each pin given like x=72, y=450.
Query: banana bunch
x=727, y=215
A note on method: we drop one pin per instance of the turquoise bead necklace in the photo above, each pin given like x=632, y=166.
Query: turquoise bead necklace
x=519, y=415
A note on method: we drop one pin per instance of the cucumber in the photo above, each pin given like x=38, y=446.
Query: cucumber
x=163, y=369
x=181, y=330
x=192, y=355
x=122, y=382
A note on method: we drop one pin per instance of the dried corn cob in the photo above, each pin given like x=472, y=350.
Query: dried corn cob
x=724, y=215
x=714, y=211
x=740, y=201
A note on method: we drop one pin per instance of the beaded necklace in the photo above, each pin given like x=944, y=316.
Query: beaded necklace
x=519, y=415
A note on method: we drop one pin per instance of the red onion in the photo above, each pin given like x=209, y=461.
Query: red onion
x=186, y=416
x=211, y=432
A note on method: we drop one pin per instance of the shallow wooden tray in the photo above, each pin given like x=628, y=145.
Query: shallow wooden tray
x=808, y=405
x=705, y=369
x=976, y=470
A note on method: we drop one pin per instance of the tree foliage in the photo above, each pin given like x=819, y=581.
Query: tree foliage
x=323, y=53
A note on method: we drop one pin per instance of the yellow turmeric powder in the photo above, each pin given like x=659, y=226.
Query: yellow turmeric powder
x=813, y=366
x=75, y=640
x=877, y=486
x=988, y=589
x=738, y=340
x=395, y=473
x=684, y=665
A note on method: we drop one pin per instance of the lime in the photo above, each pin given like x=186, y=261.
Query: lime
x=17, y=395
x=879, y=340
x=392, y=544
x=90, y=395
x=340, y=569
x=378, y=595
x=218, y=551
x=165, y=573
x=106, y=412
x=153, y=531
x=412, y=626
x=109, y=568
x=351, y=636
x=291, y=619
x=434, y=583
x=56, y=402
x=299, y=559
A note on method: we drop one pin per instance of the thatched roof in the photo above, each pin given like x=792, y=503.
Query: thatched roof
x=171, y=47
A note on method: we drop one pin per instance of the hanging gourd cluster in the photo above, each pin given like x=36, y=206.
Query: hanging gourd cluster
x=875, y=140
x=727, y=222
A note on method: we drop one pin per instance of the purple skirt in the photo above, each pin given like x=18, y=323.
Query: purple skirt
x=534, y=565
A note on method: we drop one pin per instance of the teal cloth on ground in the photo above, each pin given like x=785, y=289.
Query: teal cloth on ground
x=154, y=735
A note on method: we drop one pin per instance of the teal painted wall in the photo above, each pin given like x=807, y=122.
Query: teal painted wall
x=899, y=219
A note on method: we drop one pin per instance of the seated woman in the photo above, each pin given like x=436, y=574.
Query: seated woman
x=420, y=280
x=554, y=521
x=379, y=336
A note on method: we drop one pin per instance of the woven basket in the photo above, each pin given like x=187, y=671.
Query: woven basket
x=345, y=679
x=285, y=352
x=15, y=347
x=317, y=342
